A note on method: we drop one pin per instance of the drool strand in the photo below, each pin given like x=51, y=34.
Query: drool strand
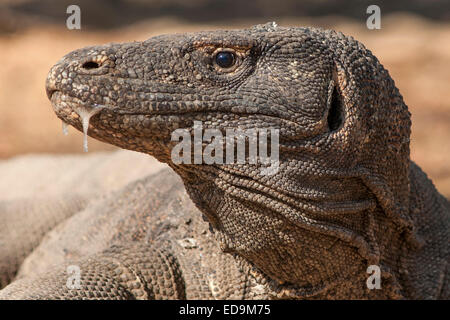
x=85, y=115
x=65, y=128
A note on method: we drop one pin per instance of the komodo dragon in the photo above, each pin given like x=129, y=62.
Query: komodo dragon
x=345, y=197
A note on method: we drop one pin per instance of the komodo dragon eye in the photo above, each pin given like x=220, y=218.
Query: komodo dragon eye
x=225, y=59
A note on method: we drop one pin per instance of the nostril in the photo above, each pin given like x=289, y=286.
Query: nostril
x=90, y=65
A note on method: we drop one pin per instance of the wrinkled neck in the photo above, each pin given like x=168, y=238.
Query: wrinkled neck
x=291, y=237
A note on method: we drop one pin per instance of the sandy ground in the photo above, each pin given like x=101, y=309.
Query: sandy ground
x=415, y=51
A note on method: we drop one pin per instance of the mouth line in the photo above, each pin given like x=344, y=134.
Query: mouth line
x=50, y=93
x=74, y=102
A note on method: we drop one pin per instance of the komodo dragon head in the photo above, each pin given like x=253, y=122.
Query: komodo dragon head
x=339, y=198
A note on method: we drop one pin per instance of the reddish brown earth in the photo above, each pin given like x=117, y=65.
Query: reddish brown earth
x=414, y=50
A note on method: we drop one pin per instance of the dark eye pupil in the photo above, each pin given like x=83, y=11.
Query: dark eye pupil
x=225, y=59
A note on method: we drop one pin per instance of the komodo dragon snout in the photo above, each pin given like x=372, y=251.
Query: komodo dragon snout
x=345, y=193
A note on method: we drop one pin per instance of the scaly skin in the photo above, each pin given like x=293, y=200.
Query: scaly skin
x=39, y=192
x=346, y=194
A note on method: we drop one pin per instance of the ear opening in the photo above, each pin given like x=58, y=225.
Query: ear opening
x=335, y=110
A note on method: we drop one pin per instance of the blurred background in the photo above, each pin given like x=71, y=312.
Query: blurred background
x=413, y=44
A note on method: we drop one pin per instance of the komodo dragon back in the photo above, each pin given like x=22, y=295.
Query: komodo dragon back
x=345, y=197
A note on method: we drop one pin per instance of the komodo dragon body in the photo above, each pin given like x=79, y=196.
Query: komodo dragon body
x=345, y=196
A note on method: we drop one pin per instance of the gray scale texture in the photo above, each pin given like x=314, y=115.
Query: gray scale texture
x=346, y=195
